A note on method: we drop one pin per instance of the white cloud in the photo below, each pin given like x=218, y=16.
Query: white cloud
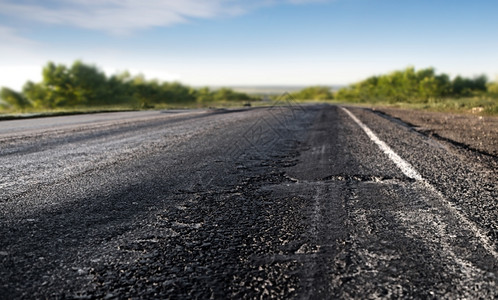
x=10, y=36
x=21, y=59
x=125, y=16
x=119, y=17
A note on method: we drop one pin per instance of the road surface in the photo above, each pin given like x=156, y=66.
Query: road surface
x=304, y=202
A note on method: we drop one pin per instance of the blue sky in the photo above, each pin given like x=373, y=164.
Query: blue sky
x=260, y=42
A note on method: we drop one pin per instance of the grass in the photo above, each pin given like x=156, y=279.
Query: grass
x=12, y=114
x=478, y=105
x=37, y=113
x=475, y=105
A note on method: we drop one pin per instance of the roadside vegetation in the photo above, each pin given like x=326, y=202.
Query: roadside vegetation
x=426, y=90
x=314, y=93
x=83, y=87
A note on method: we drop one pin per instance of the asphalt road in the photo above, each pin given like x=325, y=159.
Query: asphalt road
x=311, y=202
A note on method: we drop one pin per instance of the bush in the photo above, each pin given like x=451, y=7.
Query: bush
x=411, y=86
x=83, y=85
x=313, y=93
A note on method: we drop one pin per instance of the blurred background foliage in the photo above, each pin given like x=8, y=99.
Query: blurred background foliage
x=409, y=85
x=425, y=89
x=83, y=85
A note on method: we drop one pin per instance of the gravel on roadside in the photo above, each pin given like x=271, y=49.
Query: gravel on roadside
x=474, y=132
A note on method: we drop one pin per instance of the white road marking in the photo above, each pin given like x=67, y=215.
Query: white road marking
x=410, y=172
x=405, y=167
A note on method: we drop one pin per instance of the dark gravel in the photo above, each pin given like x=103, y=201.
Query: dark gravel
x=479, y=133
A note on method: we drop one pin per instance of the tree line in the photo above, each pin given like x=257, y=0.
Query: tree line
x=413, y=86
x=84, y=85
x=314, y=93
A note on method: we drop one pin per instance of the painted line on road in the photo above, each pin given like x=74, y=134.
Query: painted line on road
x=405, y=167
x=410, y=172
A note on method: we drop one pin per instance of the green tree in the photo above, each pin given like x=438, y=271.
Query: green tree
x=175, y=92
x=37, y=93
x=314, y=93
x=226, y=94
x=466, y=86
x=87, y=85
x=120, y=90
x=411, y=86
x=493, y=87
x=204, y=95
x=59, y=90
x=14, y=99
x=143, y=91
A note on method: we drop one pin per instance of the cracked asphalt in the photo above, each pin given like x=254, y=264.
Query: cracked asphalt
x=283, y=202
